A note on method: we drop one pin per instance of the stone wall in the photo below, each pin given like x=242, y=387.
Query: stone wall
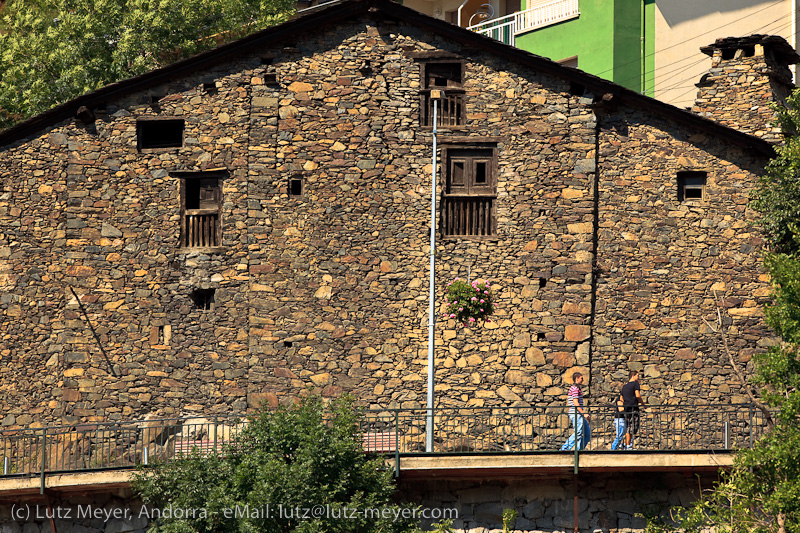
x=328, y=291
x=546, y=503
x=666, y=265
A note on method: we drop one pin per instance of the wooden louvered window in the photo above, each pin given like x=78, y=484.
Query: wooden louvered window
x=201, y=217
x=470, y=192
x=448, y=78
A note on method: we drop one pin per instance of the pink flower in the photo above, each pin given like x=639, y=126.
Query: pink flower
x=471, y=319
x=481, y=301
x=473, y=299
x=452, y=316
x=481, y=310
x=460, y=308
x=488, y=320
x=485, y=292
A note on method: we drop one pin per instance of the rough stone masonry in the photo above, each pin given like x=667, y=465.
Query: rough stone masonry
x=598, y=265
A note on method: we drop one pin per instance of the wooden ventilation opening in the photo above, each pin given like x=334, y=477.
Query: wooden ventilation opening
x=202, y=199
x=159, y=133
x=447, y=79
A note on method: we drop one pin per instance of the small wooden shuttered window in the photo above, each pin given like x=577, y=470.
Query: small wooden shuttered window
x=201, y=206
x=447, y=77
x=470, y=192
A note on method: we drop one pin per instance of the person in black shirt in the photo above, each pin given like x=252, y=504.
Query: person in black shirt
x=631, y=398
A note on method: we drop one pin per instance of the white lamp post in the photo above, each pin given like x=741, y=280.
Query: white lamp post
x=435, y=96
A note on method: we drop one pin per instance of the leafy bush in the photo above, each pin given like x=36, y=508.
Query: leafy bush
x=293, y=469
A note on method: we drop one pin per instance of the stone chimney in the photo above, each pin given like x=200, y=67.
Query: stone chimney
x=747, y=75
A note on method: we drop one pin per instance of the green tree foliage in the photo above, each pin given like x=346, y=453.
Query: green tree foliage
x=285, y=461
x=54, y=50
x=761, y=493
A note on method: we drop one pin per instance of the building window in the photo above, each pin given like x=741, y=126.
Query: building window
x=159, y=133
x=203, y=299
x=448, y=79
x=295, y=186
x=470, y=191
x=201, y=210
x=692, y=186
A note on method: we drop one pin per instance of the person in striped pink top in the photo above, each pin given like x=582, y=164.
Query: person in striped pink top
x=578, y=416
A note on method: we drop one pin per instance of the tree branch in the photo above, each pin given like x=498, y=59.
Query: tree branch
x=721, y=330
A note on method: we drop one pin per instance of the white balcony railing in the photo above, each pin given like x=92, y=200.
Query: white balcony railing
x=541, y=13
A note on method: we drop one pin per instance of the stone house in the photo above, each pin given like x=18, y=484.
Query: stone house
x=254, y=221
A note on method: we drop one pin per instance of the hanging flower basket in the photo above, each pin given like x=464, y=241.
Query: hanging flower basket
x=469, y=303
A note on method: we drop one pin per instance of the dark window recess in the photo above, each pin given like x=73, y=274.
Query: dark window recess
x=749, y=51
x=201, y=202
x=692, y=185
x=203, y=299
x=287, y=344
x=468, y=203
x=576, y=89
x=271, y=78
x=541, y=336
x=295, y=186
x=210, y=87
x=447, y=79
x=159, y=133
x=542, y=282
x=728, y=53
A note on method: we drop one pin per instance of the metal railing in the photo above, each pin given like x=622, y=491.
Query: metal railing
x=537, y=429
x=105, y=446
x=541, y=14
x=545, y=429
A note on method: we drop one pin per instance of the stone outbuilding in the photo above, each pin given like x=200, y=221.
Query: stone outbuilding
x=254, y=221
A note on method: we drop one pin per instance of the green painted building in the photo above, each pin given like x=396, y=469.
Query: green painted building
x=613, y=39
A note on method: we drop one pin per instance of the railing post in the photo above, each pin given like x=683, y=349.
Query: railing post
x=750, y=409
x=215, y=435
x=575, y=471
x=6, y=466
x=727, y=435
x=44, y=459
x=396, y=443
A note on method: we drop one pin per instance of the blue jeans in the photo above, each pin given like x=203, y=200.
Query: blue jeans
x=619, y=424
x=584, y=433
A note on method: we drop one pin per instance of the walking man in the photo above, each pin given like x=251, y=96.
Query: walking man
x=631, y=398
x=577, y=415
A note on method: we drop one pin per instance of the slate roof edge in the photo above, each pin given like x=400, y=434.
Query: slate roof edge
x=343, y=10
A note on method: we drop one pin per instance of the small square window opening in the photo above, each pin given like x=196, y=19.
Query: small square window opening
x=295, y=186
x=159, y=134
x=691, y=186
x=203, y=299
